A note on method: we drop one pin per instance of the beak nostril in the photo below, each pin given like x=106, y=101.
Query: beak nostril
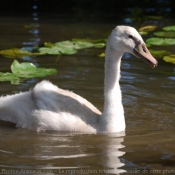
x=144, y=49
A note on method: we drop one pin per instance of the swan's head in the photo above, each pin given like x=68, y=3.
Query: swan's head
x=127, y=39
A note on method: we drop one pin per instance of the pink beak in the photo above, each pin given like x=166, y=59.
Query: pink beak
x=142, y=52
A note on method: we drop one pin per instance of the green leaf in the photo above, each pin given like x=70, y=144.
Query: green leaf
x=9, y=77
x=143, y=33
x=29, y=70
x=99, y=45
x=147, y=28
x=18, y=53
x=57, y=50
x=102, y=55
x=164, y=34
x=48, y=44
x=90, y=40
x=169, y=59
x=148, y=45
x=161, y=41
x=169, y=28
x=159, y=53
x=65, y=47
x=82, y=44
x=64, y=44
x=50, y=51
x=74, y=44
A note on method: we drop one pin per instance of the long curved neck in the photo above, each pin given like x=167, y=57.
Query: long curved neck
x=113, y=114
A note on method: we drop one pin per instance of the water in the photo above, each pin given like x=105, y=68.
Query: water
x=147, y=145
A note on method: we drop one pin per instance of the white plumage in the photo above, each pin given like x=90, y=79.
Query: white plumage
x=48, y=107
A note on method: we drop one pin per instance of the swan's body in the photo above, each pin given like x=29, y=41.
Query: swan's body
x=48, y=107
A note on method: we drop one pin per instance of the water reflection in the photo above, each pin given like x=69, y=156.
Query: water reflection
x=62, y=152
x=111, y=153
x=34, y=31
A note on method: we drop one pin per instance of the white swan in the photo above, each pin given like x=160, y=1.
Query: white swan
x=47, y=107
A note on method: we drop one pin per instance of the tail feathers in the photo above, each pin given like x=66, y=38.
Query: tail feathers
x=12, y=116
x=17, y=109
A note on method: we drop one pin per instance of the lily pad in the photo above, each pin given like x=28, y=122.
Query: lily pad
x=29, y=70
x=102, y=55
x=9, y=77
x=159, y=53
x=90, y=40
x=143, y=33
x=147, y=28
x=99, y=45
x=161, y=41
x=82, y=45
x=18, y=53
x=165, y=34
x=24, y=70
x=169, y=28
x=74, y=44
x=65, y=47
x=169, y=59
x=48, y=44
x=57, y=50
x=148, y=45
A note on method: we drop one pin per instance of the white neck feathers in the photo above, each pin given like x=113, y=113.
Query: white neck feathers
x=113, y=114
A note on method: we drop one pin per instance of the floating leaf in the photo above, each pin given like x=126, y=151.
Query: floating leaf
x=159, y=53
x=24, y=70
x=169, y=28
x=169, y=59
x=99, y=45
x=57, y=50
x=74, y=44
x=147, y=28
x=90, y=40
x=17, y=53
x=164, y=34
x=9, y=77
x=65, y=44
x=28, y=70
x=50, y=51
x=102, y=55
x=65, y=47
x=161, y=41
x=143, y=33
x=82, y=45
x=48, y=44
x=148, y=45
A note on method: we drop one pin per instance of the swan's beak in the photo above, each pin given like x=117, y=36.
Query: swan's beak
x=142, y=52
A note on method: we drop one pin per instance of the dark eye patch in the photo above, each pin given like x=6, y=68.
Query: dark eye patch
x=134, y=39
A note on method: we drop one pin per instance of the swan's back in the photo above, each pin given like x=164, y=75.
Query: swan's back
x=62, y=110
x=50, y=97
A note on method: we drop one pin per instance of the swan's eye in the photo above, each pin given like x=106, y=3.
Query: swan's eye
x=130, y=36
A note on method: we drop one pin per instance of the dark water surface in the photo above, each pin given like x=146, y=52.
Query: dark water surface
x=147, y=146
